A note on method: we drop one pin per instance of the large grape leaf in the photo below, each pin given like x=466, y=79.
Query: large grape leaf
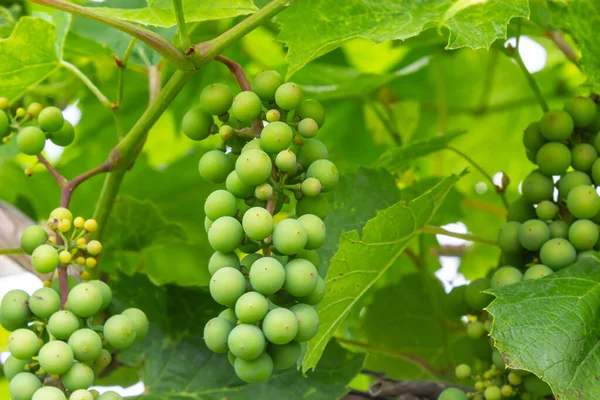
x=176, y=364
x=361, y=261
x=161, y=13
x=550, y=327
x=314, y=27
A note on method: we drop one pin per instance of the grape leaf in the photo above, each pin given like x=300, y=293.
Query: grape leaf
x=176, y=364
x=161, y=13
x=360, y=262
x=550, y=327
x=312, y=28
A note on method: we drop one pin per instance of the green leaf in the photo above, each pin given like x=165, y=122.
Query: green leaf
x=361, y=261
x=176, y=365
x=332, y=23
x=550, y=327
x=161, y=13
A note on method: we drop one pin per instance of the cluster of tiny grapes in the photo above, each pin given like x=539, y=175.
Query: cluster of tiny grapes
x=263, y=271
x=57, y=350
x=32, y=126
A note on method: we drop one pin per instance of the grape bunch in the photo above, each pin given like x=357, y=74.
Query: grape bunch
x=264, y=268
x=53, y=345
x=32, y=126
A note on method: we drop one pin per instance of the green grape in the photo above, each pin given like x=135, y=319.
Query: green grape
x=286, y=162
x=308, y=128
x=315, y=229
x=276, y=137
x=556, y=125
x=79, y=376
x=81, y=395
x=514, y=379
x=536, y=386
x=289, y=236
x=103, y=360
x=582, y=110
x=537, y=187
x=44, y=302
x=56, y=357
x=508, y=238
x=596, y=172
x=14, y=307
x=246, y=342
x=583, y=234
x=493, y=393
x=475, y=330
x=455, y=303
x=253, y=167
x=312, y=109
x=220, y=203
x=64, y=136
x=310, y=255
x=475, y=296
x=583, y=157
x=558, y=253
x=325, y=172
x=498, y=360
x=23, y=386
x=583, y=202
x=452, y=394
x=62, y=324
x=507, y=391
x=239, y=189
x=570, y=180
x=246, y=106
x=216, y=99
x=311, y=151
x=317, y=205
x=308, y=322
x=61, y=213
x=254, y=144
x=119, y=331
x=301, y=277
x=594, y=127
x=196, y=124
x=44, y=259
x=110, y=396
x=506, y=276
x=221, y=260
x=225, y=234
x=4, y=124
x=50, y=119
x=532, y=138
x=13, y=366
x=229, y=315
x=267, y=275
x=227, y=285
x=85, y=300
x=86, y=345
x=31, y=140
x=553, y=158
x=251, y=307
x=257, y=223
x=531, y=155
x=546, y=210
x=250, y=259
x=254, y=371
x=49, y=393
x=520, y=210
x=104, y=290
x=288, y=96
x=266, y=84
x=226, y=132
x=462, y=371
x=32, y=237
x=263, y=192
x=216, y=332
x=273, y=115
x=215, y=166
x=311, y=187
x=533, y=234
x=280, y=326
x=23, y=344
x=284, y=355
x=537, y=271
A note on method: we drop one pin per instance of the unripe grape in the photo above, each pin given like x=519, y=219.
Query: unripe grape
x=225, y=234
x=570, y=180
x=493, y=393
x=31, y=140
x=216, y=99
x=81, y=395
x=537, y=187
x=582, y=110
x=267, y=275
x=60, y=213
x=44, y=302
x=64, y=257
x=595, y=172
x=94, y=247
x=64, y=225
x=280, y=326
x=308, y=128
x=583, y=234
x=520, y=210
x=62, y=324
x=140, y=322
x=246, y=342
x=315, y=229
x=475, y=330
x=246, y=106
x=273, y=115
x=288, y=96
x=558, y=253
x=20, y=112
x=90, y=262
x=286, y=161
x=537, y=271
x=311, y=151
x=14, y=308
x=86, y=345
x=553, y=158
x=220, y=203
x=276, y=137
x=221, y=260
x=239, y=189
x=196, y=124
x=301, y=277
x=103, y=360
x=85, y=300
x=254, y=144
x=533, y=234
x=312, y=109
x=316, y=295
x=532, y=137
x=462, y=371
x=253, y=167
x=109, y=396
x=23, y=344
x=44, y=259
x=506, y=276
x=507, y=391
x=229, y=315
x=308, y=322
x=257, y=223
x=475, y=296
x=317, y=205
x=556, y=125
x=266, y=84
x=325, y=172
x=216, y=332
x=546, y=210
x=4, y=124
x=13, y=366
x=50, y=119
x=32, y=237
x=90, y=225
x=214, y=166
x=119, y=331
x=311, y=187
x=251, y=307
x=289, y=237
x=514, y=379
x=583, y=202
x=64, y=136
x=508, y=238
x=56, y=357
x=284, y=355
x=78, y=377
x=49, y=393
x=263, y=192
x=254, y=371
x=452, y=394
x=583, y=156
x=227, y=285
x=23, y=386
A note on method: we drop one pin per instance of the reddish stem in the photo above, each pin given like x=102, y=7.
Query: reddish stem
x=61, y=180
x=70, y=186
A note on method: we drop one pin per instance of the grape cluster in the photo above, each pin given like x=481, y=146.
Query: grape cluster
x=264, y=269
x=56, y=346
x=33, y=126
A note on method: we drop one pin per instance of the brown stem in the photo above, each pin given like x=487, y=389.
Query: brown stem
x=417, y=388
x=559, y=40
x=61, y=180
x=70, y=186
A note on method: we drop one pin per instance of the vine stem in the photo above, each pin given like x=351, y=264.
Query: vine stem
x=60, y=180
x=184, y=38
x=4, y=252
x=122, y=65
x=436, y=230
x=87, y=82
